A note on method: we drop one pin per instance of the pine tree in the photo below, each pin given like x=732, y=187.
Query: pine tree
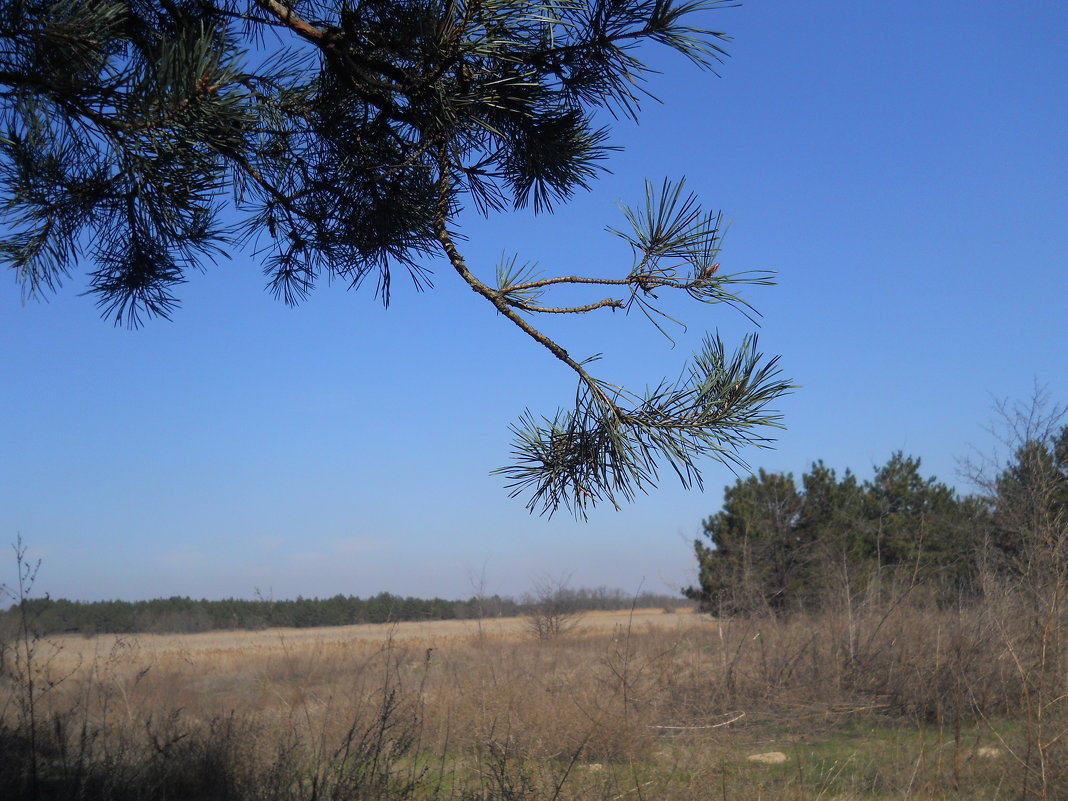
x=1030, y=502
x=346, y=135
x=774, y=547
x=755, y=561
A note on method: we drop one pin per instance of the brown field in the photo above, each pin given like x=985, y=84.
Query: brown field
x=906, y=703
x=71, y=650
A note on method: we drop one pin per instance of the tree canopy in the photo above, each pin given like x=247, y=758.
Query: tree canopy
x=1029, y=498
x=776, y=547
x=339, y=139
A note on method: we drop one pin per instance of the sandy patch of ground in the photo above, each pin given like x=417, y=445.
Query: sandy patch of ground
x=768, y=758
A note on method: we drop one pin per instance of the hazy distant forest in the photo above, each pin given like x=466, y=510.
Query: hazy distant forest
x=185, y=615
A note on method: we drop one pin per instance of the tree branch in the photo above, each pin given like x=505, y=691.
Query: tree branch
x=496, y=297
x=294, y=21
x=610, y=303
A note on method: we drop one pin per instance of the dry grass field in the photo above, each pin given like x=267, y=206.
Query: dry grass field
x=903, y=704
x=72, y=650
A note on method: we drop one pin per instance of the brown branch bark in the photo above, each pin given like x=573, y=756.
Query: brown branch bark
x=610, y=303
x=290, y=18
x=495, y=296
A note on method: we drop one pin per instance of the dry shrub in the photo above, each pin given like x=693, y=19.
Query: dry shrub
x=547, y=699
x=145, y=747
x=591, y=715
x=932, y=665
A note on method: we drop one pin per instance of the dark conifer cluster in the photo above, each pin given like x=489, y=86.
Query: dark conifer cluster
x=776, y=546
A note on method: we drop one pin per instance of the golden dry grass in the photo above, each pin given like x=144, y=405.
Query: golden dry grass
x=72, y=650
x=627, y=705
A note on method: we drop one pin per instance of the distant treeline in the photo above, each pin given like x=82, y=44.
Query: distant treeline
x=186, y=615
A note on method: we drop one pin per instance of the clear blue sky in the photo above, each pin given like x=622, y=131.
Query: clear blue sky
x=904, y=168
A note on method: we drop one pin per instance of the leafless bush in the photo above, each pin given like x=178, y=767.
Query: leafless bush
x=1026, y=578
x=552, y=608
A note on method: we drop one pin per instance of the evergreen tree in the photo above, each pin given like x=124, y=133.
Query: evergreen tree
x=1030, y=506
x=919, y=529
x=907, y=512
x=832, y=526
x=347, y=135
x=754, y=560
x=773, y=547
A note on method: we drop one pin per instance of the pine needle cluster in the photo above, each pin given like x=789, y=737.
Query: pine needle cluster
x=345, y=136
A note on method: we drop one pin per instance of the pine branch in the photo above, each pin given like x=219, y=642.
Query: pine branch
x=608, y=449
x=613, y=444
x=348, y=140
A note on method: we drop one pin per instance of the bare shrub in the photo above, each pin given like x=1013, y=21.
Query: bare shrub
x=552, y=608
x=1026, y=579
